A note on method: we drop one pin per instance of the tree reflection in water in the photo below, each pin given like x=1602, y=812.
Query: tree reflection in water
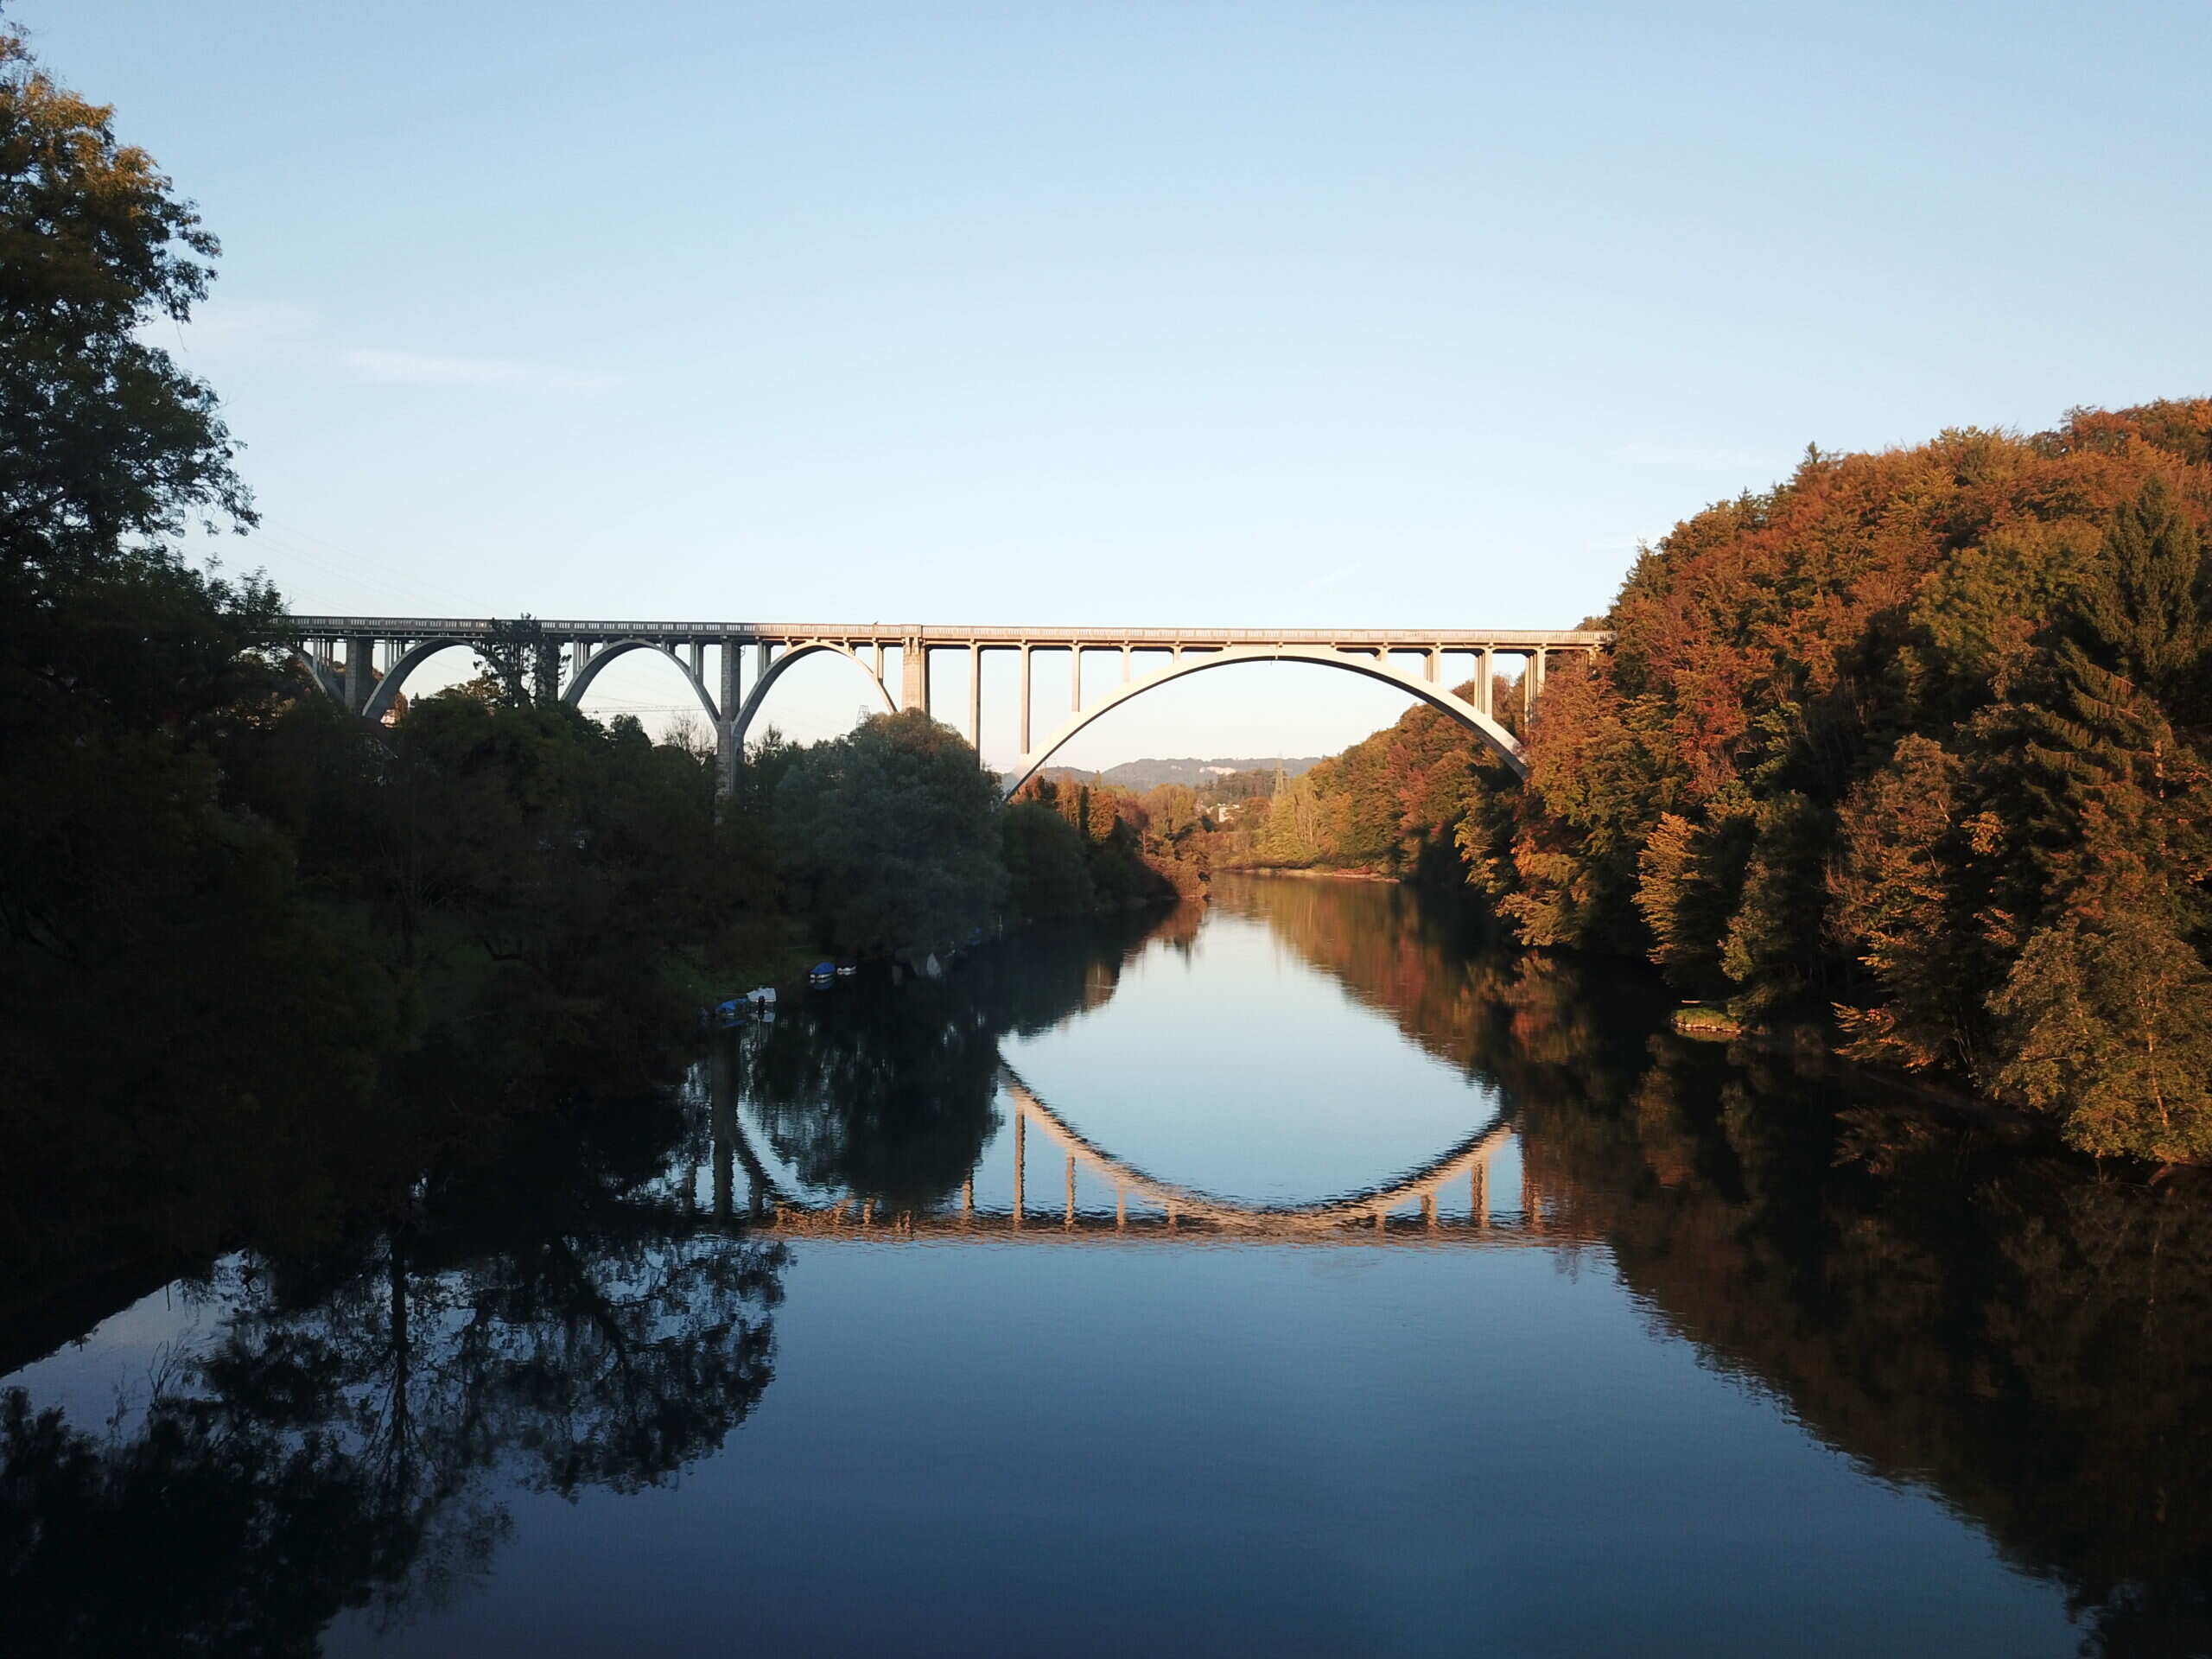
x=2026, y=1335
x=566, y=1321
x=889, y=1091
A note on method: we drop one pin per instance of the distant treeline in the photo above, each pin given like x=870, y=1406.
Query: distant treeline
x=1920, y=742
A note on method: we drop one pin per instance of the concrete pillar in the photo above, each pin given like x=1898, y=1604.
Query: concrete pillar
x=727, y=748
x=1125, y=665
x=1541, y=658
x=1428, y=1210
x=1069, y=1220
x=914, y=674
x=699, y=661
x=358, y=648
x=763, y=655
x=1025, y=697
x=1478, y=1194
x=975, y=698
x=1484, y=673
x=1528, y=683
x=1019, y=1122
x=1075, y=677
x=1434, y=666
x=1121, y=1209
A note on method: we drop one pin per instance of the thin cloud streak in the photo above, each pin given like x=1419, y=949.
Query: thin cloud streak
x=423, y=369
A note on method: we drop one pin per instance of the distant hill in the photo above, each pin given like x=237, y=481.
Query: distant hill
x=1150, y=774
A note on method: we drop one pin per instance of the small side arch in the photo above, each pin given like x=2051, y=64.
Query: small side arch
x=387, y=690
x=1502, y=743
x=751, y=706
x=587, y=672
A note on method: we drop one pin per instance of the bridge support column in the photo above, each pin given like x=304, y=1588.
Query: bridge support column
x=1478, y=1194
x=726, y=741
x=1025, y=698
x=1020, y=1122
x=359, y=647
x=914, y=674
x=975, y=698
x=1433, y=665
x=1485, y=677
x=1075, y=678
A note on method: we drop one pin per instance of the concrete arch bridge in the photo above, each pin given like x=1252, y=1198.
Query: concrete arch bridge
x=363, y=664
x=1148, y=1209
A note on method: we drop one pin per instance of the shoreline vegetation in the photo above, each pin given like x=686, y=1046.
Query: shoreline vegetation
x=1914, y=749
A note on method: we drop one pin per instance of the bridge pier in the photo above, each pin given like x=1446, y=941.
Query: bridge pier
x=728, y=743
x=1025, y=697
x=357, y=649
x=913, y=672
x=975, y=698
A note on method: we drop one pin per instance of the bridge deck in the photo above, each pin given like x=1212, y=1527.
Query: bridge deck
x=995, y=635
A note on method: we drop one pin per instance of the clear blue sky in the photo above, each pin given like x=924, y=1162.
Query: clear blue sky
x=1369, y=315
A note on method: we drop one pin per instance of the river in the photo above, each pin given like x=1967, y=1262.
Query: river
x=1288, y=1274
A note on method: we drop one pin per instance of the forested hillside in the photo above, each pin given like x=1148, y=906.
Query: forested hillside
x=1921, y=739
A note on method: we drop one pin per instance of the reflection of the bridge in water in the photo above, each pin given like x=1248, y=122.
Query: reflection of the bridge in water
x=1163, y=1210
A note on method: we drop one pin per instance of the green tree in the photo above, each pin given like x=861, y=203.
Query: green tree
x=107, y=447
x=891, y=836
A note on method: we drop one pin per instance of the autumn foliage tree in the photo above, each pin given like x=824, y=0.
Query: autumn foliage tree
x=1922, y=737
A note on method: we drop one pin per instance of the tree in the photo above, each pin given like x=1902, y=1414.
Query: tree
x=106, y=447
x=891, y=836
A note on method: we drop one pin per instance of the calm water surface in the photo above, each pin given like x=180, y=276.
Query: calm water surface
x=1286, y=1276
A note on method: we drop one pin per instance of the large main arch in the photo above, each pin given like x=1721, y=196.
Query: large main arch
x=1375, y=667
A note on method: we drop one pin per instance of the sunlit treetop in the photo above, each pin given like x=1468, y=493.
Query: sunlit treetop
x=107, y=447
